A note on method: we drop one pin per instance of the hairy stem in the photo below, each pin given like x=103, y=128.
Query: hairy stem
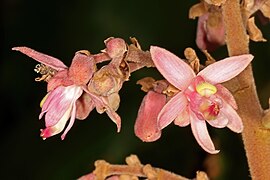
x=256, y=138
x=134, y=168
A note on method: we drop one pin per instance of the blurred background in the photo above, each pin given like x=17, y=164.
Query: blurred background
x=60, y=28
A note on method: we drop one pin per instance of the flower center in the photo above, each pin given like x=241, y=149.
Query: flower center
x=209, y=109
x=203, y=100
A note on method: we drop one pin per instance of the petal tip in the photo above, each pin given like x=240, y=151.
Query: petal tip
x=213, y=151
x=118, y=129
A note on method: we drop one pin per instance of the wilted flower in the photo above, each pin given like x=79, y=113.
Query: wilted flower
x=210, y=27
x=201, y=98
x=64, y=90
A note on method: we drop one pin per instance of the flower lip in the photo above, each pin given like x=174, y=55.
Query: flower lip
x=206, y=89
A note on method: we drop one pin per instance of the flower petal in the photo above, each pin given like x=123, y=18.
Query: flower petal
x=220, y=122
x=84, y=106
x=60, y=102
x=201, y=134
x=71, y=121
x=50, y=99
x=59, y=79
x=115, y=118
x=176, y=71
x=42, y=58
x=235, y=123
x=225, y=69
x=102, y=105
x=57, y=127
x=226, y=95
x=183, y=119
x=172, y=109
x=82, y=68
x=210, y=36
x=146, y=127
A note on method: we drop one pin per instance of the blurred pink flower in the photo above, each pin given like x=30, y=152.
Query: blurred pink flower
x=201, y=98
x=210, y=32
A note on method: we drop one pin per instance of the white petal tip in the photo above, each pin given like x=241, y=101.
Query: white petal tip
x=213, y=152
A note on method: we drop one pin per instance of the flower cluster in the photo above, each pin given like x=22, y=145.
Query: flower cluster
x=184, y=97
x=73, y=92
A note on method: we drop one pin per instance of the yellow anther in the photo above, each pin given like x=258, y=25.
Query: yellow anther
x=43, y=100
x=206, y=89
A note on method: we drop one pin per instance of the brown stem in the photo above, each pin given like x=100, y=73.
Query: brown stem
x=236, y=36
x=256, y=138
x=134, y=168
x=266, y=119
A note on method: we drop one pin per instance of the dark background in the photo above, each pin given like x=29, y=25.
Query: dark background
x=60, y=28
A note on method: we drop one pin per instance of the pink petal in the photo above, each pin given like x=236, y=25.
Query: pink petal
x=55, y=111
x=220, y=122
x=51, y=98
x=201, y=39
x=207, y=37
x=183, y=119
x=226, y=95
x=56, y=128
x=90, y=176
x=235, y=122
x=115, y=47
x=172, y=109
x=59, y=79
x=225, y=69
x=111, y=113
x=42, y=58
x=201, y=134
x=176, y=71
x=115, y=118
x=82, y=68
x=84, y=105
x=146, y=127
x=71, y=121
x=60, y=103
x=101, y=103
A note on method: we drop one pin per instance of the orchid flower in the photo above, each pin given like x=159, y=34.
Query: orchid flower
x=68, y=96
x=201, y=97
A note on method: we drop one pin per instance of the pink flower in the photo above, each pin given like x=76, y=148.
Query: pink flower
x=146, y=123
x=201, y=98
x=68, y=97
x=210, y=35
